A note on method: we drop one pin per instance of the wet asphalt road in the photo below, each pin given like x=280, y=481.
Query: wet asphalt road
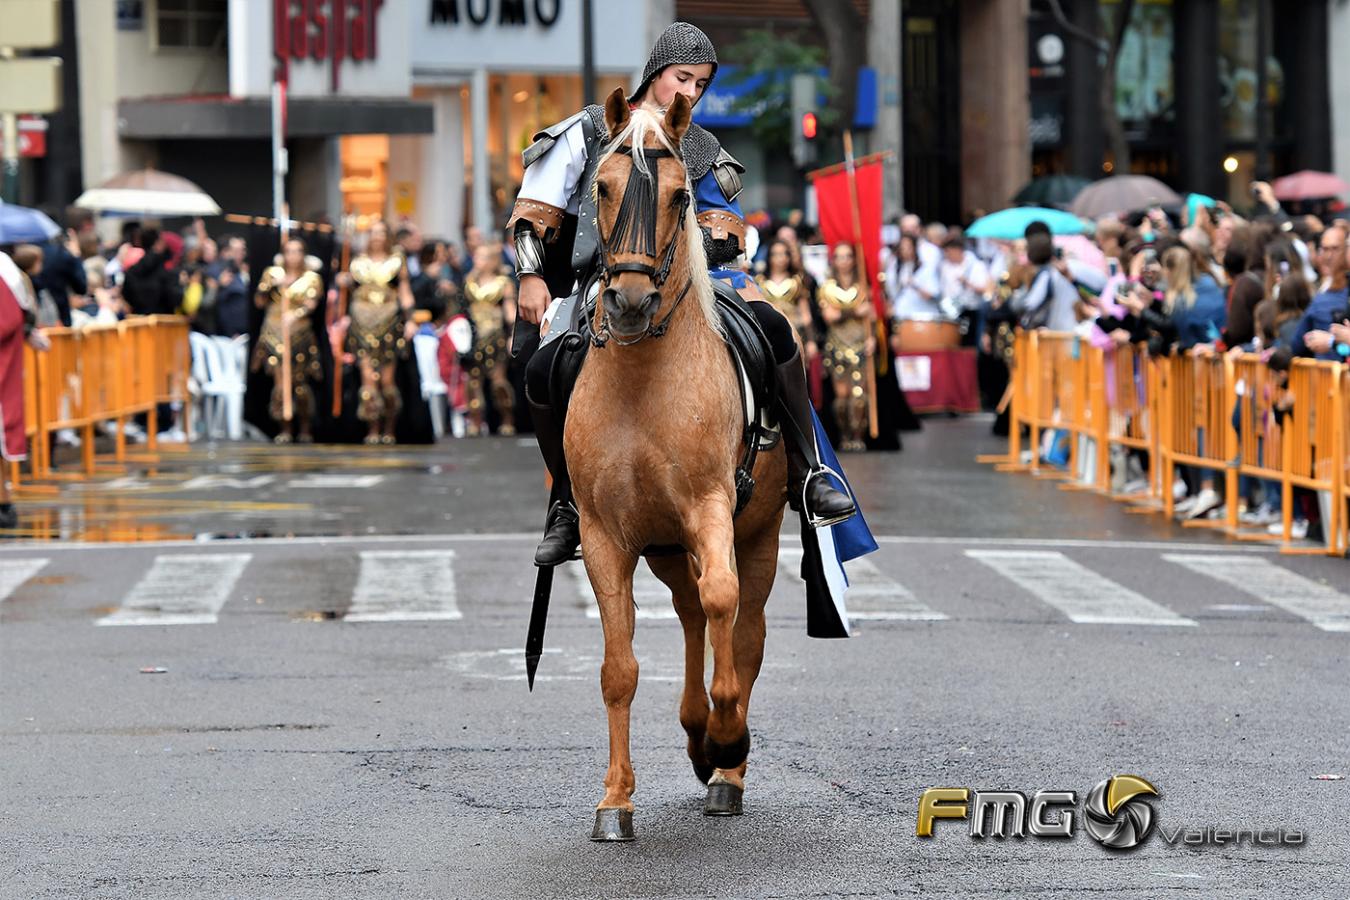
x=309, y=738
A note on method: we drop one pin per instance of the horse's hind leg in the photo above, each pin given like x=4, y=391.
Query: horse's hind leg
x=756, y=565
x=611, y=572
x=676, y=572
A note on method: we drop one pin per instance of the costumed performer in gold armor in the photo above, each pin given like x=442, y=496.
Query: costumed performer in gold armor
x=380, y=331
x=491, y=297
x=295, y=285
x=784, y=286
x=849, y=344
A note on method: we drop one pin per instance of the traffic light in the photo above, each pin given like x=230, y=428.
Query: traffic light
x=804, y=123
x=809, y=126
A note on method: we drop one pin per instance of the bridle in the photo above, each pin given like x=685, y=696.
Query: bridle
x=636, y=221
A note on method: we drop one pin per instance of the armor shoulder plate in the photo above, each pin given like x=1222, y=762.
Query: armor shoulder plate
x=544, y=140
x=700, y=148
x=727, y=170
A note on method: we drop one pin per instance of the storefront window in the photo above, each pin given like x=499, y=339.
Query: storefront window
x=1144, y=84
x=365, y=173
x=1237, y=68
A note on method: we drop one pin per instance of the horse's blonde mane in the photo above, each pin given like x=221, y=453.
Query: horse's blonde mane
x=641, y=123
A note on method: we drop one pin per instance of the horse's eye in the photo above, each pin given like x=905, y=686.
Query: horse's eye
x=601, y=189
x=679, y=198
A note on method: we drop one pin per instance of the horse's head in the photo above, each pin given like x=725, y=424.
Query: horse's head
x=645, y=220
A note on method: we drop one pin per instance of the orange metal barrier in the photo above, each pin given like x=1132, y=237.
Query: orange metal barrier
x=1344, y=491
x=103, y=373
x=1196, y=428
x=1130, y=396
x=1313, y=433
x=1205, y=411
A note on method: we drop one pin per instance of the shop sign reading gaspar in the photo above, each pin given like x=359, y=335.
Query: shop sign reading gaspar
x=331, y=30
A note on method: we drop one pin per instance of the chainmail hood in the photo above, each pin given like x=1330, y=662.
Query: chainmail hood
x=699, y=148
x=679, y=43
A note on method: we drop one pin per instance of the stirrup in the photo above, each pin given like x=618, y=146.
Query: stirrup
x=819, y=522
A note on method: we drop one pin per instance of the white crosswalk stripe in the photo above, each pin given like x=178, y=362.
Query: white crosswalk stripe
x=649, y=593
x=871, y=593
x=1075, y=590
x=405, y=586
x=14, y=572
x=1321, y=605
x=181, y=589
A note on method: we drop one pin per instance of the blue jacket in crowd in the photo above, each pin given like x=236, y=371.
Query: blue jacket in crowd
x=1205, y=318
x=1318, y=317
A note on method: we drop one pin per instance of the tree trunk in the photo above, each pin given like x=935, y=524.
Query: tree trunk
x=846, y=44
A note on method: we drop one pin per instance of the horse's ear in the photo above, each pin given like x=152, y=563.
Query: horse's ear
x=616, y=112
x=678, y=116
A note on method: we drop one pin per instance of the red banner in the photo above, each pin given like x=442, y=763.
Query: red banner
x=836, y=217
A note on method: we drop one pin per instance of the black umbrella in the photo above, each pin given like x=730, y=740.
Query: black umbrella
x=1051, y=190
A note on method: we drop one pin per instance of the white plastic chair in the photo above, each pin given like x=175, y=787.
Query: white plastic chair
x=434, y=389
x=196, y=384
x=222, y=387
x=234, y=374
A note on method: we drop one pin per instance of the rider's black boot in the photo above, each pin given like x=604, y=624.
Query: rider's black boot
x=807, y=478
x=562, y=533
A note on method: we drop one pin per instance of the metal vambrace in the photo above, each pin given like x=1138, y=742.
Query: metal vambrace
x=529, y=250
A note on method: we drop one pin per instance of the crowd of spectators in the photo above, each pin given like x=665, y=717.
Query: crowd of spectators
x=1200, y=279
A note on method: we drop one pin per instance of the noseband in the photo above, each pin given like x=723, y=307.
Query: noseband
x=636, y=221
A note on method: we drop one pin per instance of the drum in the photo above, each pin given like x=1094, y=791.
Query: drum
x=920, y=335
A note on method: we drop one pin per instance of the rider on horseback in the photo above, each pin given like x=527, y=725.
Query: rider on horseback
x=556, y=209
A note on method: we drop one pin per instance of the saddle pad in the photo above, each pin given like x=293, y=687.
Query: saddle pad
x=749, y=346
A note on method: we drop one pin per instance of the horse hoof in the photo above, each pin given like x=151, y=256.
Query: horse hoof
x=724, y=799
x=613, y=825
x=727, y=756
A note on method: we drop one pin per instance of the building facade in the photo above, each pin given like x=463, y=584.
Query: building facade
x=185, y=86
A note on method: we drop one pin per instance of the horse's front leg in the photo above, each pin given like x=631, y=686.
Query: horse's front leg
x=611, y=572
x=728, y=741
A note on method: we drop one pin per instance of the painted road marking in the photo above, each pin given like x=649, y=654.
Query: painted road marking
x=326, y=481
x=649, y=593
x=1075, y=590
x=181, y=589
x=14, y=572
x=871, y=593
x=1326, y=608
x=405, y=586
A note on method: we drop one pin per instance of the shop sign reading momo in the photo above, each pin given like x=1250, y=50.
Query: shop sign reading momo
x=500, y=12
x=331, y=30
x=450, y=37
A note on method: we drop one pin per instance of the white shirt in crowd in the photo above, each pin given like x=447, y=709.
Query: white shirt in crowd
x=907, y=284
x=964, y=283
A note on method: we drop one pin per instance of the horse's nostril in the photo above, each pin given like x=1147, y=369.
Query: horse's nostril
x=651, y=303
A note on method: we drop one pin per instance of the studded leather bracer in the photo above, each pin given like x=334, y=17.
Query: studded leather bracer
x=723, y=236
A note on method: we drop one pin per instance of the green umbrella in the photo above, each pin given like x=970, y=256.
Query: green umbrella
x=1051, y=190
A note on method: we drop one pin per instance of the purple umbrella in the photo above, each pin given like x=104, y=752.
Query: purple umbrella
x=21, y=225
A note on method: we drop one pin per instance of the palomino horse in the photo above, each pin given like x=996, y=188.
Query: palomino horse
x=653, y=434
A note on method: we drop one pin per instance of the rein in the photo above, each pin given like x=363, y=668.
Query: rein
x=636, y=220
